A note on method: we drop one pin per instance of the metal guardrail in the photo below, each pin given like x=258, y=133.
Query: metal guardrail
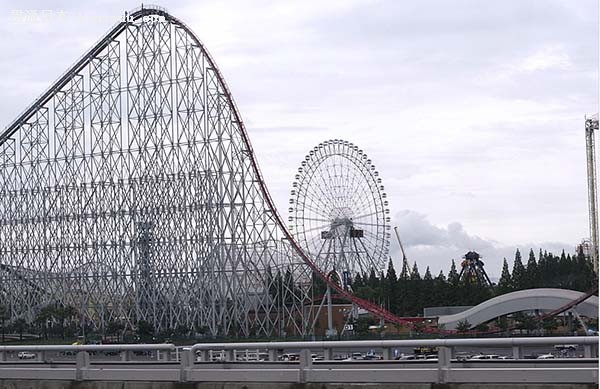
x=328, y=347
x=193, y=363
x=125, y=350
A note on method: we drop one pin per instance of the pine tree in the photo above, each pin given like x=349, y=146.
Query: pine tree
x=453, y=274
x=454, y=291
x=543, y=271
x=440, y=293
x=358, y=281
x=403, y=288
x=414, y=274
x=373, y=281
x=567, y=271
x=505, y=282
x=391, y=285
x=518, y=272
x=531, y=273
x=554, y=279
x=405, y=272
x=427, y=287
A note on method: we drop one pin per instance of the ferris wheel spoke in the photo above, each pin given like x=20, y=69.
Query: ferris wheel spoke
x=321, y=227
x=365, y=215
x=316, y=220
x=319, y=212
x=323, y=195
x=366, y=224
x=323, y=198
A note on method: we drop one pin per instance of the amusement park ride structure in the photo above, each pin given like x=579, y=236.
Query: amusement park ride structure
x=338, y=214
x=130, y=192
x=472, y=270
x=591, y=125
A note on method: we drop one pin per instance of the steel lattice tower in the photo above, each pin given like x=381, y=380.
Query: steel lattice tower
x=130, y=192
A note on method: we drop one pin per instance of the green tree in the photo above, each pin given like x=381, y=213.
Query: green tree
x=114, y=328
x=4, y=316
x=427, y=290
x=391, y=287
x=440, y=290
x=144, y=330
x=403, y=288
x=19, y=326
x=453, y=274
x=502, y=323
x=463, y=326
x=531, y=273
x=505, y=282
x=550, y=324
x=454, y=289
x=414, y=274
x=525, y=322
x=518, y=272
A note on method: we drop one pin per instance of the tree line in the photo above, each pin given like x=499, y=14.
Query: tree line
x=407, y=293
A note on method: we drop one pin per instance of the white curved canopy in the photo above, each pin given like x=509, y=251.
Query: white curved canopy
x=544, y=299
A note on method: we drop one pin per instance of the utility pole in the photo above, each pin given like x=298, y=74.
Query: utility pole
x=591, y=125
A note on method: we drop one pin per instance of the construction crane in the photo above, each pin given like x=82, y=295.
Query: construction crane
x=400, y=243
x=591, y=124
x=404, y=259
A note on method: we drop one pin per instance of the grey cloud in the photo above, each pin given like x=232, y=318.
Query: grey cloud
x=433, y=246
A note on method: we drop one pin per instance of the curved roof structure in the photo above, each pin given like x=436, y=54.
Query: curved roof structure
x=544, y=299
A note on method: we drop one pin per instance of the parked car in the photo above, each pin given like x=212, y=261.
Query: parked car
x=546, y=356
x=290, y=357
x=484, y=357
x=26, y=355
x=404, y=357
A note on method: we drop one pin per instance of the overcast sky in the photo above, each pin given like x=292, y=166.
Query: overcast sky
x=472, y=111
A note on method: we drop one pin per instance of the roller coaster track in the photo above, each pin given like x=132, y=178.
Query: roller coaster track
x=571, y=304
x=102, y=44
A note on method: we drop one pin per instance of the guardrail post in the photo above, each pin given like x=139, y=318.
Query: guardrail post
x=327, y=354
x=205, y=356
x=82, y=363
x=40, y=356
x=444, y=355
x=168, y=355
x=587, y=350
x=186, y=361
x=230, y=355
x=272, y=354
x=125, y=355
x=305, y=365
x=517, y=352
x=387, y=353
x=2, y=356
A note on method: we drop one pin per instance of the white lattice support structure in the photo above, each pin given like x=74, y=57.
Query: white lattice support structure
x=130, y=192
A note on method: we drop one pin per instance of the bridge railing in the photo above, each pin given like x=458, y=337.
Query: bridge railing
x=327, y=348
x=193, y=364
x=125, y=350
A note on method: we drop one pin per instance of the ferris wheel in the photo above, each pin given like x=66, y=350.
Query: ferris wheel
x=338, y=211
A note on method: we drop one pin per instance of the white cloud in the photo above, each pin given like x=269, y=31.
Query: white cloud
x=472, y=113
x=548, y=57
x=436, y=246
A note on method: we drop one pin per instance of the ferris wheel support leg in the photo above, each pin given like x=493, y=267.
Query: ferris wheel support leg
x=330, y=330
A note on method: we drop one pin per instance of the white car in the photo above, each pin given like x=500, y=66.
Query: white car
x=26, y=355
x=546, y=356
x=484, y=356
